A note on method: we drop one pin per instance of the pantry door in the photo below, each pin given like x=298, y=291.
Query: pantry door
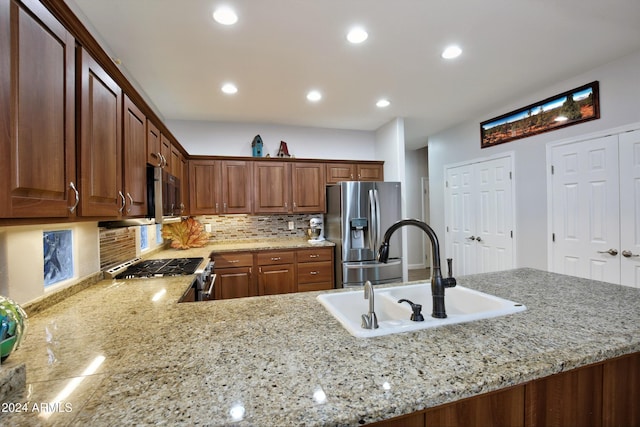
x=630, y=208
x=585, y=209
x=479, y=216
x=461, y=219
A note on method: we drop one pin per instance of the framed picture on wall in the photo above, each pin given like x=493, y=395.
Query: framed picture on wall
x=566, y=109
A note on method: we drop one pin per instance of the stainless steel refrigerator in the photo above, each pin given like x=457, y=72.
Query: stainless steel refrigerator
x=358, y=214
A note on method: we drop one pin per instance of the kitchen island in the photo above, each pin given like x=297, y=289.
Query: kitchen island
x=138, y=357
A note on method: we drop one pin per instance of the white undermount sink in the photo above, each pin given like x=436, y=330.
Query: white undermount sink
x=462, y=305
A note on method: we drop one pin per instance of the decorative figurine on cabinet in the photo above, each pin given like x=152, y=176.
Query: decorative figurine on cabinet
x=256, y=145
x=283, y=151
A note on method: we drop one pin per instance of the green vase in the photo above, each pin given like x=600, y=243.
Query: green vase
x=13, y=325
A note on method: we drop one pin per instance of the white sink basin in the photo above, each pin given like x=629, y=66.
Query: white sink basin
x=462, y=305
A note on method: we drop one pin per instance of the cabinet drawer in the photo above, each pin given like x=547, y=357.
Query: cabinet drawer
x=308, y=287
x=271, y=258
x=315, y=272
x=233, y=259
x=315, y=255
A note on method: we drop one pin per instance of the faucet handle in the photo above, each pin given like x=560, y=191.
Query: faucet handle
x=450, y=266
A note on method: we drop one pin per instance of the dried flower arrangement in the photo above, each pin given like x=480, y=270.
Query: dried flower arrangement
x=186, y=234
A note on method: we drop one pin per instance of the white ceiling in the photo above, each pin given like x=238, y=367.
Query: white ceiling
x=280, y=49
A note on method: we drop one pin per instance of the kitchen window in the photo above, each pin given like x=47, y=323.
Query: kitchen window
x=58, y=256
x=144, y=237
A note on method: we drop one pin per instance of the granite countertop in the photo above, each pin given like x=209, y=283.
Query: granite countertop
x=284, y=360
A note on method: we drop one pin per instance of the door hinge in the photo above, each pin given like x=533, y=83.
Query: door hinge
x=552, y=170
x=447, y=228
x=553, y=237
x=446, y=184
x=511, y=234
x=510, y=175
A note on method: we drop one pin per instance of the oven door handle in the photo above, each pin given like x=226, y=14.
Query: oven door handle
x=208, y=293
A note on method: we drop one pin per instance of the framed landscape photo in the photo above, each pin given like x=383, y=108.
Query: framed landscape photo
x=566, y=109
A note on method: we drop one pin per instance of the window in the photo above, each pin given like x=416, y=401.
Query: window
x=144, y=237
x=58, y=256
x=159, y=239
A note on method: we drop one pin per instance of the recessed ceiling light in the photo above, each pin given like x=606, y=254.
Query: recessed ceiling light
x=357, y=35
x=451, y=52
x=382, y=103
x=229, y=88
x=225, y=16
x=314, y=96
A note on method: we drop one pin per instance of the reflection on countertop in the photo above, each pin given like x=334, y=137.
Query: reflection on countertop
x=123, y=352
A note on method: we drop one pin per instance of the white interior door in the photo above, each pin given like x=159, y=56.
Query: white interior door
x=479, y=216
x=630, y=208
x=494, y=222
x=585, y=209
x=461, y=219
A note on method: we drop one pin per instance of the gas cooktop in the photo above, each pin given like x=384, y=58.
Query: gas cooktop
x=161, y=268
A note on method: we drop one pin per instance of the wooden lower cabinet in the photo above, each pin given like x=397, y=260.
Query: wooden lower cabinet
x=572, y=398
x=604, y=394
x=315, y=269
x=234, y=275
x=276, y=272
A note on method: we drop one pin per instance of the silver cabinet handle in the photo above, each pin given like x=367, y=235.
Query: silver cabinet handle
x=124, y=201
x=629, y=254
x=163, y=160
x=313, y=273
x=612, y=252
x=275, y=258
x=130, y=202
x=75, y=190
x=314, y=256
x=159, y=157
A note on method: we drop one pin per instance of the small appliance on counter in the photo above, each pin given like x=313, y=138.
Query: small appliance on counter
x=316, y=230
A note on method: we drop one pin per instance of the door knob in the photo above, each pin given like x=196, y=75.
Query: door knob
x=629, y=254
x=612, y=252
x=471, y=238
x=478, y=239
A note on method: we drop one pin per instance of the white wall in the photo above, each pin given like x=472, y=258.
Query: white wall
x=234, y=139
x=390, y=148
x=22, y=264
x=416, y=169
x=619, y=105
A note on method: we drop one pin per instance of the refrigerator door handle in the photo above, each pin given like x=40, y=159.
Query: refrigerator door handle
x=377, y=224
x=365, y=265
x=372, y=226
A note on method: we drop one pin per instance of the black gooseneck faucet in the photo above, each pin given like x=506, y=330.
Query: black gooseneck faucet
x=438, y=283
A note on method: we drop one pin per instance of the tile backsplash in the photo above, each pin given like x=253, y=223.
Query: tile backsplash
x=121, y=244
x=241, y=227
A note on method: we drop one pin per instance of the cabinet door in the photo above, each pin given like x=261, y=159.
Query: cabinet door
x=37, y=116
x=175, y=162
x=184, y=186
x=233, y=283
x=135, y=160
x=336, y=172
x=204, y=180
x=153, y=144
x=369, y=172
x=569, y=398
x=165, y=152
x=272, y=187
x=276, y=279
x=500, y=408
x=236, y=186
x=308, y=187
x=100, y=141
